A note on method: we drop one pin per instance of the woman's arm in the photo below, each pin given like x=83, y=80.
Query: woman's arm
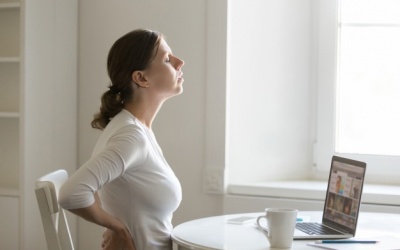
x=120, y=237
x=126, y=149
x=97, y=215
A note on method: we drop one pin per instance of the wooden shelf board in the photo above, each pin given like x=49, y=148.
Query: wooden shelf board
x=12, y=192
x=9, y=59
x=9, y=115
x=9, y=5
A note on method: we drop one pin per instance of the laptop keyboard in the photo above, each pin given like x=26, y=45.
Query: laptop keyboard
x=312, y=228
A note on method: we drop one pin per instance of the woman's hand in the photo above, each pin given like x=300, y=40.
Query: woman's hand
x=116, y=237
x=117, y=240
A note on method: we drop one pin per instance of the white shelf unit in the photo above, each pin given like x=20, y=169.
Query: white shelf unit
x=38, y=109
x=9, y=123
x=9, y=94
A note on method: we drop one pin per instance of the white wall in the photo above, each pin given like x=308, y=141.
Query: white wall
x=49, y=103
x=269, y=107
x=179, y=126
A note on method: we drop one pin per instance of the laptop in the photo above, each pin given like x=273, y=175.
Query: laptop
x=342, y=203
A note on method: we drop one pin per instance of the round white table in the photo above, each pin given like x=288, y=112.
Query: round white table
x=216, y=233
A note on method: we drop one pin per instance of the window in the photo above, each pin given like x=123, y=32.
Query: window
x=278, y=121
x=368, y=85
x=360, y=117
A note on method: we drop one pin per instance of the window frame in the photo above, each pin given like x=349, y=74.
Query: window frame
x=380, y=169
x=323, y=77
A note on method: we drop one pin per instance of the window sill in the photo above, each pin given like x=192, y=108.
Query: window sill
x=314, y=190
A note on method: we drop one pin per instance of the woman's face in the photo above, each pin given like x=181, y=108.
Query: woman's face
x=164, y=74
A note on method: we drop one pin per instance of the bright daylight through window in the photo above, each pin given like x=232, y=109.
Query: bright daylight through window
x=368, y=78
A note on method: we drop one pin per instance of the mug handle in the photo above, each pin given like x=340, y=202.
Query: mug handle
x=262, y=229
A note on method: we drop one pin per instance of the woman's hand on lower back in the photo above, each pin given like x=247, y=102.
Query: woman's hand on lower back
x=117, y=240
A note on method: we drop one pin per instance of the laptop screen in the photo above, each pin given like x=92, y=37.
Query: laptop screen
x=343, y=197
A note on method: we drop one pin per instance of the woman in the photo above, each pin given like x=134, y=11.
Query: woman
x=137, y=188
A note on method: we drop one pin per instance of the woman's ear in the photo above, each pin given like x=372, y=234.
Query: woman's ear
x=139, y=78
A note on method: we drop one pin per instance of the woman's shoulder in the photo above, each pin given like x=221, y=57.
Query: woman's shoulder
x=125, y=120
x=124, y=129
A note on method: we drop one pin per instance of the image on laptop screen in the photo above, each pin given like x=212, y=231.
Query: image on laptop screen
x=344, y=193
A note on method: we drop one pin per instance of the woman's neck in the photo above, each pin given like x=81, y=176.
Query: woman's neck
x=145, y=112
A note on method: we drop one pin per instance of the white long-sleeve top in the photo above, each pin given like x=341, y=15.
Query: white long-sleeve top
x=134, y=181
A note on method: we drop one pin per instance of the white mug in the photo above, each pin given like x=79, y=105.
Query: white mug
x=280, y=226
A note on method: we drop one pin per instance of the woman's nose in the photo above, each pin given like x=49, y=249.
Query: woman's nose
x=179, y=63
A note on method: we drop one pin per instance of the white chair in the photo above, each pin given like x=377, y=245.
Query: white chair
x=56, y=230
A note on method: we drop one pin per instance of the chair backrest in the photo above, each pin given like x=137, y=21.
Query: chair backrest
x=56, y=230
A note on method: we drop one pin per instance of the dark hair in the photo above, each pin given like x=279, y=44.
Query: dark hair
x=133, y=51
